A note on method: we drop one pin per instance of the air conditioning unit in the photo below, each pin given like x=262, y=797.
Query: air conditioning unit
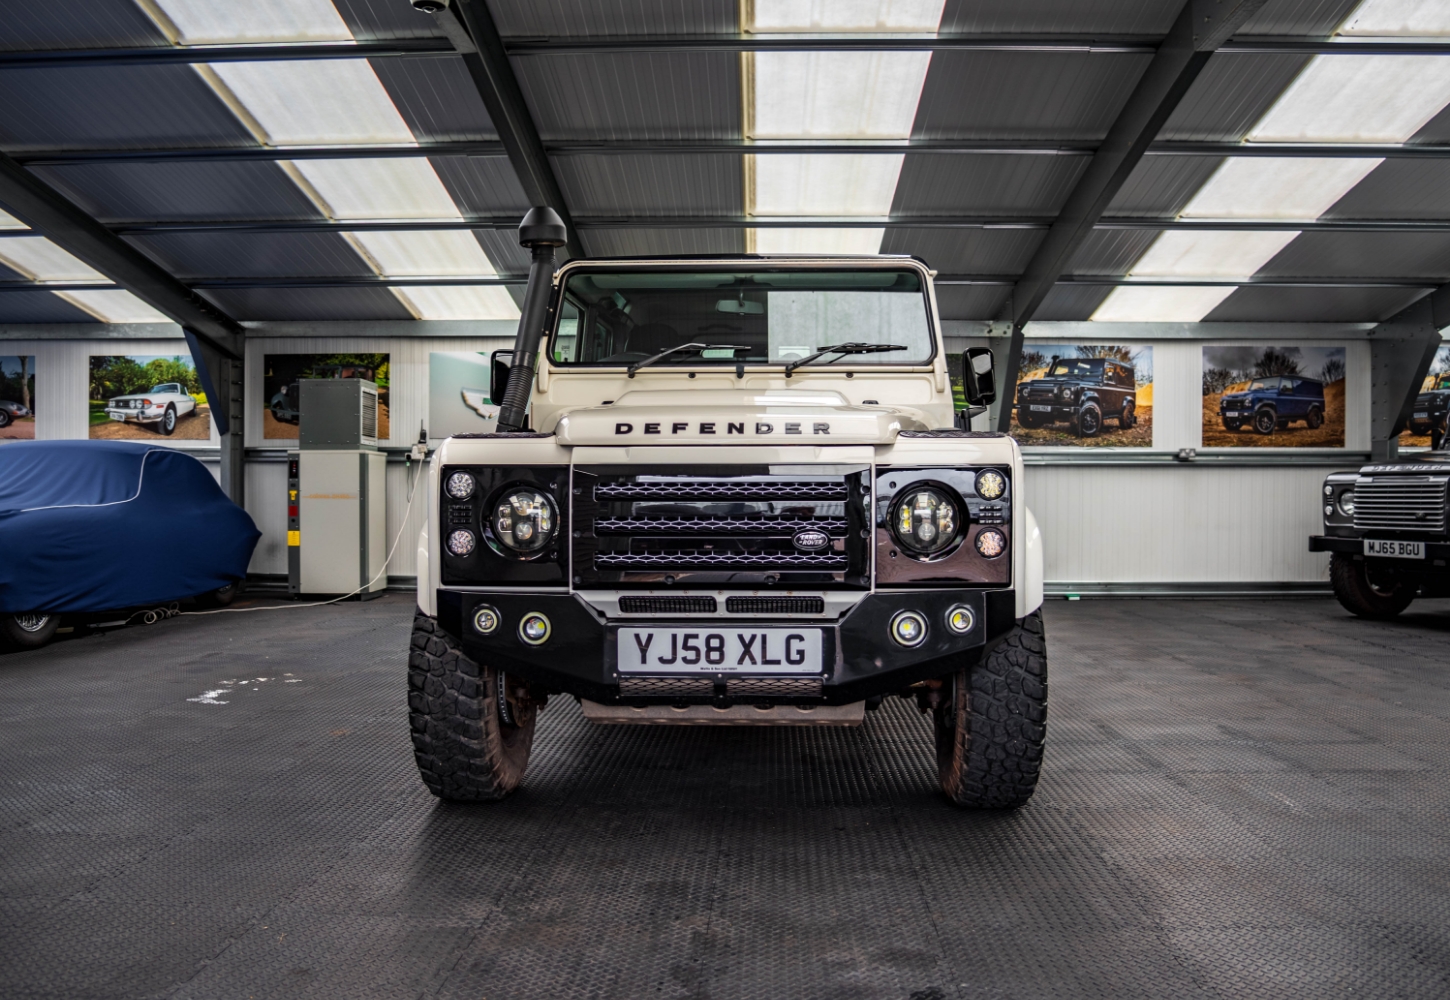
x=337, y=413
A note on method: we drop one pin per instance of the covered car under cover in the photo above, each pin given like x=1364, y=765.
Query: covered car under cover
x=104, y=525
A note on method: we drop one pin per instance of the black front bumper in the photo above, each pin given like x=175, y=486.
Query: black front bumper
x=861, y=659
x=1436, y=549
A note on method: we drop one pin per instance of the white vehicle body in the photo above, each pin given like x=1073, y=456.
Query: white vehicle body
x=151, y=407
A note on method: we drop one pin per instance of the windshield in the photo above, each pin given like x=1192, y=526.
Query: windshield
x=1077, y=367
x=1263, y=383
x=760, y=316
x=168, y=387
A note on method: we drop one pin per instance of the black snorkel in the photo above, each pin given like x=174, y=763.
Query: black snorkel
x=541, y=231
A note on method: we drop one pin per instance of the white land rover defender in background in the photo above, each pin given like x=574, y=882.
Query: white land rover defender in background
x=743, y=496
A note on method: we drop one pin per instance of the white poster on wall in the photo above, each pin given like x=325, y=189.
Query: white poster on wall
x=458, y=394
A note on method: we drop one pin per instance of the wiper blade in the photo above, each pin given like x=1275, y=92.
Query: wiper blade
x=842, y=350
x=682, y=347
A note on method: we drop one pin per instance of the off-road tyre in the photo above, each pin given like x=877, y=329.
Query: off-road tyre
x=1314, y=419
x=1362, y=598
x=1266, y=421
x=30, y=630
x=1128, y=419
x=1027, y=420
x=1089, y=421
x=1232, y=425
x=168, y=420
x=465, y=750
x=991, y=723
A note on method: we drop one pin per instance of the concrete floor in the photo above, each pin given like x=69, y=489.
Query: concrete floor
x=1241, y=799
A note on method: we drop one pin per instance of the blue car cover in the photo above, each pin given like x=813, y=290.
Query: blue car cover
x=106, y=525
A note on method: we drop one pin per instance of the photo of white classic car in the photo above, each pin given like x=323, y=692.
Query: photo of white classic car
x=160, y=407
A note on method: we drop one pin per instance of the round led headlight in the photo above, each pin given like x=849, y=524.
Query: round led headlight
x=459, y=486
x=991, y=543
x=991, y=484
x=1346, y=503
x=960, y=619
x=461, y=542
x=485, y=619
x=924, y=520
x=908, y=628
x=534, y=628
x=525, y=521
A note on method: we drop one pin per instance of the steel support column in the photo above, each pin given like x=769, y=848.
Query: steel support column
x=222, y=380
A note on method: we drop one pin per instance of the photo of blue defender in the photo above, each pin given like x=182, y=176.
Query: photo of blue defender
x=1273, y=403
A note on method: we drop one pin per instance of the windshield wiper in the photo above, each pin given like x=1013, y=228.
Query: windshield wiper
x=842, y=350
x=682, y=347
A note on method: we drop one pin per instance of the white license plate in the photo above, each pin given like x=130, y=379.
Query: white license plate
x=1233, y=413
x=118, y=416
x=1040, y=409
x=720, y=650
x=1421, y=416
x=1394, y=550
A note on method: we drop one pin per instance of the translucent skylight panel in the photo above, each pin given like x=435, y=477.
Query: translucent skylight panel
x=1358, y=98
x=825, y=183
x=315, y=101
x=114, y=306
x=41, y=260
x=459, y=302
x=425, y=254
x=1402, y=18
x=1189, y=254
x=846, y=15
x=819, y=241
x=209, y=22
x=1274, y=187
x=8, y=221
x=389, y=188
x=864, y=95
x=1160, y=304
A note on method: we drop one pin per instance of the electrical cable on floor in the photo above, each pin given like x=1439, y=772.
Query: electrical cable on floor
x=407, y=512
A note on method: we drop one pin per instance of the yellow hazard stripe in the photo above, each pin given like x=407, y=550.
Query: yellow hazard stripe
x=294, y=538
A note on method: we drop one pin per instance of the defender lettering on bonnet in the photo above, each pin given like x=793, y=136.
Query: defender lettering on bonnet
x=708, y=427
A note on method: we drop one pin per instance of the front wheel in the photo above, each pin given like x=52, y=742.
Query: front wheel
x=28, y=630
x=473, y=726
x=1027, y=420
x=992, y=723
x=4, y=417
x=1314, y=419
x=1232, y=425
x=1129, y=417
x=1089, y=420
x=168, y=420
x=1363, y=597
x=1266, y=421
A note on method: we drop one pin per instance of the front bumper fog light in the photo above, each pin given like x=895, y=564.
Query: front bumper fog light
x=908, y=628
x=534, y=629
x=461, y=542
x=485, y=620
x=991, y=543
x=960, y=619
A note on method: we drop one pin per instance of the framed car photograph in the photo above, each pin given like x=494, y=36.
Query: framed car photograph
x=1272, y=396
x=281, y=374
x=1084, y=396
x=17, y=397
x=1430, y=416
x=146, y=398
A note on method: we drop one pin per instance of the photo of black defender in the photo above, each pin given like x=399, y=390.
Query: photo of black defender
x=1081, y=392
x=1431, y=415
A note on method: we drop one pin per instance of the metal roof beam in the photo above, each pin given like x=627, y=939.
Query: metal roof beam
x=1201, y=27
x=162, y=55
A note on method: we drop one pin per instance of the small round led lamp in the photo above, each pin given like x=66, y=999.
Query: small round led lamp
x=486, y=620
x=534, y=629
x=908, y=628
x=960, y=619
x=459, y=486
x=991, y=543
x=991, y=484
x=461, y=542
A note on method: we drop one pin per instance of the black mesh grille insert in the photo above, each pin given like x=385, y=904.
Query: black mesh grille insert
x=724, y=490
x=667, y=605
x=774, y=687
x=663, y=687
x=704, y=559
x=775, y=605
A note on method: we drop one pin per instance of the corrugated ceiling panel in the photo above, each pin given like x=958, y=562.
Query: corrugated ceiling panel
x=563, y=18
x=253, y=255
x=6, y=274
x=1072, y=302
x=658, y=242
x=1111, y=251
x=653, y=95
x=1230, y=95
x=938, y=184
x=39, y=307
x=137, y=107
x=970, y=301
x=481, y=185
x=1024, y=95
x=385, y=19
x=966, y=251
x=1436, y=130
x=308, y=303
x=659, y=184
x=501, y=246
x=1299, y=17
x=436, y=97
x=77, y=24
x=159, y=192
x=1399, y=189
x=1102, y=17
x=1161, y=185
x=1368, y=255
x=1313, y=305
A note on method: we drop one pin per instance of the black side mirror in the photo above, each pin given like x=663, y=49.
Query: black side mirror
x=977, y=382
x=498, y=376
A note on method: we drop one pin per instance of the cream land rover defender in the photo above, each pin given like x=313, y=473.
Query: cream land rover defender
x=729, y=490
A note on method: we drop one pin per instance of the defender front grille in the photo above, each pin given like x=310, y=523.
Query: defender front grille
x=673, y=525
x=667, y=605
x=775, y=605
x=1401, y=503
x=744, y=489
x=672, y=558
